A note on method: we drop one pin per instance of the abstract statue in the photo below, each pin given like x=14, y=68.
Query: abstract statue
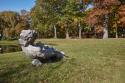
x=37, y=52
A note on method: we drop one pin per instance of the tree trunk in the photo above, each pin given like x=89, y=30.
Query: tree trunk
x=116, y=34
x=55, y=32
x=67, y=33
x=79, y=31
x=105, y=35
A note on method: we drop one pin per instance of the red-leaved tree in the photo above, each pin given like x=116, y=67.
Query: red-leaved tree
x=99, y=16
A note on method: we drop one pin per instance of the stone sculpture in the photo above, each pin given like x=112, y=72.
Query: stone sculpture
x=38, y=52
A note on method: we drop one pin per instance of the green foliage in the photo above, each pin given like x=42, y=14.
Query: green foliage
x=60, y=13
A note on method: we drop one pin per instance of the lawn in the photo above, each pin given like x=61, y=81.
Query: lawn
x=88, y=61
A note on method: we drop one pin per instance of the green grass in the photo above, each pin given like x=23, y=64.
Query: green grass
x=88, y=61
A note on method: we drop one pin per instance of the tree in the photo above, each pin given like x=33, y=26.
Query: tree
x=100, y=14
x=9, y=21
x=121, y=20
x=73, y=15
x=81, y=13
x=47, y=13
x=1, y=26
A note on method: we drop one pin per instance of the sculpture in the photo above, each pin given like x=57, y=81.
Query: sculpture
x=37, y=52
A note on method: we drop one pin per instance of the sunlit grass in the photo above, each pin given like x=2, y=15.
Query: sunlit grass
x=88, y=61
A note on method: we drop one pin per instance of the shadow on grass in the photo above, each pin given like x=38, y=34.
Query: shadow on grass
x=52, y=44
x=11, y=72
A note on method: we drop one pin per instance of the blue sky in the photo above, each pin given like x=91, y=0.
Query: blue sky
x=16, y=5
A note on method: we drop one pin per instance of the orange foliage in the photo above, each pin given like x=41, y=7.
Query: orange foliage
x=106, y=3
x=95, y=16
x=121, y=13
x=101, y=8
x=99, y=29
x=86, y=1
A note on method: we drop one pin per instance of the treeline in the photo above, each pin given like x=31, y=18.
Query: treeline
x=11, y=24
x=67, y=19
x=108, y=17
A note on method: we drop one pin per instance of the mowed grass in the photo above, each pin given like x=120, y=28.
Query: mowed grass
x=87, y=61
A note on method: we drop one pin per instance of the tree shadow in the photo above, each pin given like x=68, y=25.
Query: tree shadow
x=10, y=72
x=52, y=44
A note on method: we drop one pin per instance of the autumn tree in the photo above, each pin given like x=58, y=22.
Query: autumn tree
x=9, y=21
x=23, y=21
x=121, y=18
x=1, y=26
x=101, y=13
